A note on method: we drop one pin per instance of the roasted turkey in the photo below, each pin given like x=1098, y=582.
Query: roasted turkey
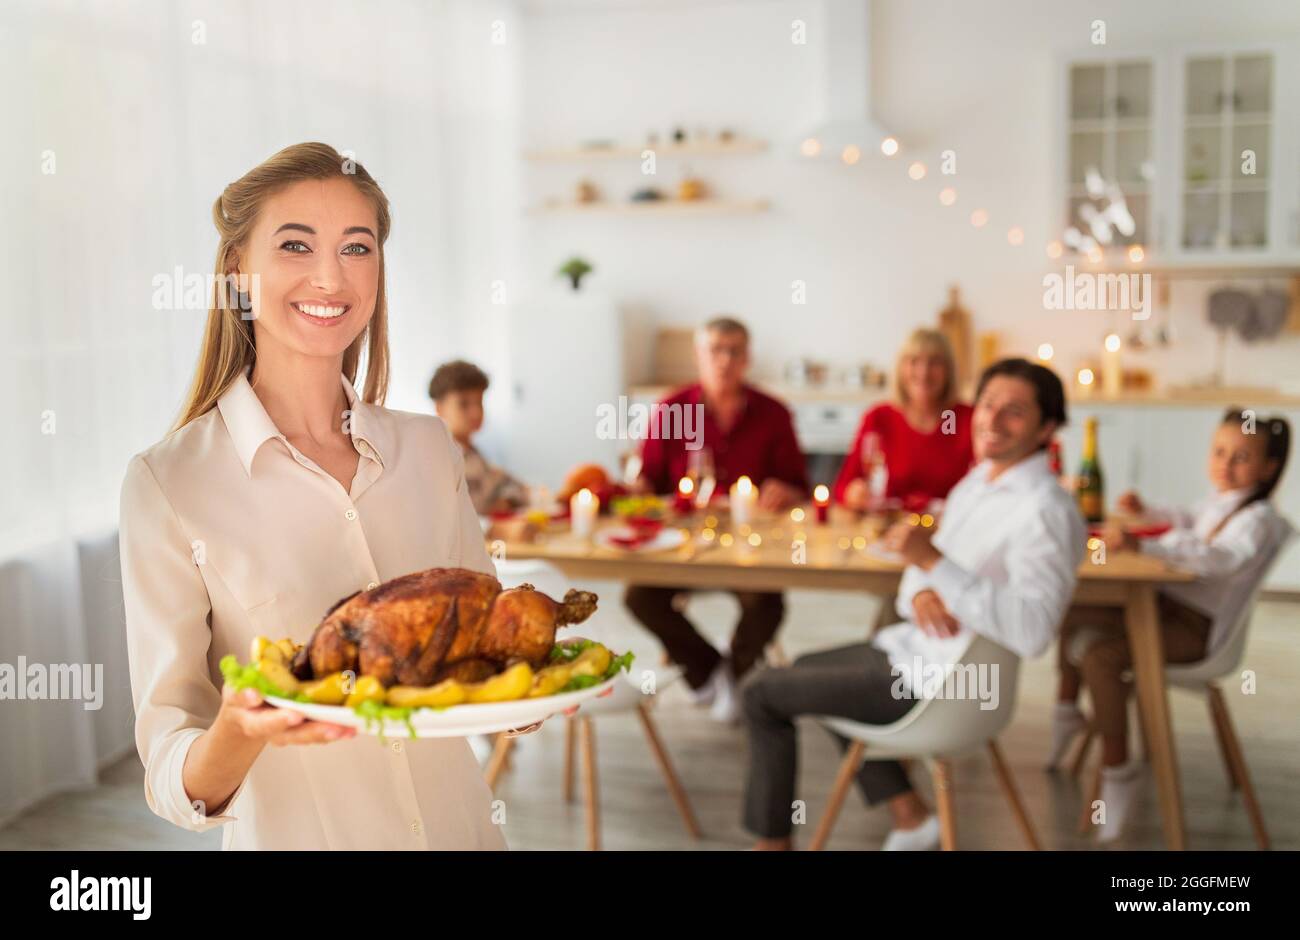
x=442, y=623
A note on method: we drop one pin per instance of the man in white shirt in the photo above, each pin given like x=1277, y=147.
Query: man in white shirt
x=1002, y=564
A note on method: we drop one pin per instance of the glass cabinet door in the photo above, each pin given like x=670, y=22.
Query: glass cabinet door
x=1110, y=156
x=1227, y=152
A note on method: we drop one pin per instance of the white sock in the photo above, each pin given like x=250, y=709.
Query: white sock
x=1119, y=792
x=726, y=704
x=924, y=838
x=706, y=693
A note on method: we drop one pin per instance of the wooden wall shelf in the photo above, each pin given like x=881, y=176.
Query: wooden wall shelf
x=632, y=152
x=657, y=207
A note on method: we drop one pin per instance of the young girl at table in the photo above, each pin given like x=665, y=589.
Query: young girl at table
x=1227, y=541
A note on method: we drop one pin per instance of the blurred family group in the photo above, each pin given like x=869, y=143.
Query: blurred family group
x=1001, y=563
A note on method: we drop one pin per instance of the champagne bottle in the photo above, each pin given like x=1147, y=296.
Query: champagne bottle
x=1089, y=489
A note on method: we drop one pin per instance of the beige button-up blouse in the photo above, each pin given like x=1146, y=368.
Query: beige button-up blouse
x=227, y=532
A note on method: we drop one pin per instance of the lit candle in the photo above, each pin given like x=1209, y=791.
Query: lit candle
x=1112, y=376
x=583, y=506
x=685, y=490
x=822, y=502
x=744, y=497
x=1086, y=382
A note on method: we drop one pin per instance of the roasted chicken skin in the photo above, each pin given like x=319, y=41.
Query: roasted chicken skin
x=435, y=624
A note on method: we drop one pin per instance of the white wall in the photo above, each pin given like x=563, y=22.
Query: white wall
x=877, y=250
x=146, y=125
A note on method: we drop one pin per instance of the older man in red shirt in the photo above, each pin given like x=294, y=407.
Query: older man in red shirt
x=747, y=434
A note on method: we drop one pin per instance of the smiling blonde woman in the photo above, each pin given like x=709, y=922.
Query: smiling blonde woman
x=280, y=490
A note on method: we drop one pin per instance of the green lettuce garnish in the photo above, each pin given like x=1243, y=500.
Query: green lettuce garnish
x=373, y=710
x=250, y=677
x=623, y=663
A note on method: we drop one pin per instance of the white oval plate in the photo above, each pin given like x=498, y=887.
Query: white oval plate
x=456, y=721
x=667, y=538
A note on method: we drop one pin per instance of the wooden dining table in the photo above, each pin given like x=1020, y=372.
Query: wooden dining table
x=786, y=552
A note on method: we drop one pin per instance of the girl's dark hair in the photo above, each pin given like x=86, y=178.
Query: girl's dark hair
x=1277, y=444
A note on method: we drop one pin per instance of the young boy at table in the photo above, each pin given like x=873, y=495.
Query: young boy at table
x=747, y=434
x=1228, y=541
x=457, y=391
x=1003, y=564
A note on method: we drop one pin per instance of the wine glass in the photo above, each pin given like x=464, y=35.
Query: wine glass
x=700, y=471
x=874, y=471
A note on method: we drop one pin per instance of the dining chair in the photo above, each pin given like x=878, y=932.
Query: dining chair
x=1200, y=677
x=935, y=731
x=580, y=736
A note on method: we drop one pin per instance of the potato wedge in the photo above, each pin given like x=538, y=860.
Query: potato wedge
x=288, y=647
x=257, y=650
x=277, y=672
x=444, y=694
x=512, y=684
x=593, y=661
x=331, y=690
x=550, y=680
x=367, y=688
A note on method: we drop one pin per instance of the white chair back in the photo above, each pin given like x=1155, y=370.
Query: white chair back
x=950, y=725
x=1228, y=655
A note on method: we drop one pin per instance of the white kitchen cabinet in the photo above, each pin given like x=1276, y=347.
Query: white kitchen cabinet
x=1202, y=145
x=1111, y=136
x=1237, y=161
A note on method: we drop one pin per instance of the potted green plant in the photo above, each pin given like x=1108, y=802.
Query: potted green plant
x=575, y=269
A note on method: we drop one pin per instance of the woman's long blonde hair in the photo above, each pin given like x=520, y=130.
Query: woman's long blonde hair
x=229, y=345
x=925, y=340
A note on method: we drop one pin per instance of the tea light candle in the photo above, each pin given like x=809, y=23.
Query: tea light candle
x=744, y=497
x=822, y=503
x=685, y=490
x=1086, y=381
x=583, y=506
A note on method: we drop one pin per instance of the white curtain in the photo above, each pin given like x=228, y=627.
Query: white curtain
x=122, y=121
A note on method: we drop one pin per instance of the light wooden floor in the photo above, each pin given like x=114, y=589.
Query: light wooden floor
x=638, y=813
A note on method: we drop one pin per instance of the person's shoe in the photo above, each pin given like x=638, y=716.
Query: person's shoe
x=924, y=838
x=726, y=702
x=1119, y=792
x=705, y=694
x=1067, y=723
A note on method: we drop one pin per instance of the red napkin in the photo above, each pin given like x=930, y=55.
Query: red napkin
x=633, y=540
x=1150, y=531
x=644, y=525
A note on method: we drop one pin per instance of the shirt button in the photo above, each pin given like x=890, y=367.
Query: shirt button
x=370, y=586
x=350, y=515
x=397, y=747
x=415, y=826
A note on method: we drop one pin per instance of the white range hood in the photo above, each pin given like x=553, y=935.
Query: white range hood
x=846, y=117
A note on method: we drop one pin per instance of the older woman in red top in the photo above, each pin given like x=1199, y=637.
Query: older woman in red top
x=915, y=449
